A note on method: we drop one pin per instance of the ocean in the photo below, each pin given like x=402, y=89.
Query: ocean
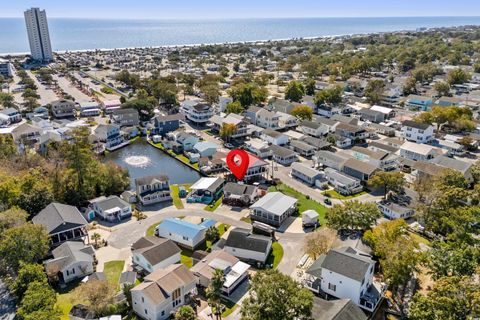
x=83, y=34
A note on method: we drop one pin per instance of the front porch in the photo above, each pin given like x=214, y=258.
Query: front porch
x=75, y=234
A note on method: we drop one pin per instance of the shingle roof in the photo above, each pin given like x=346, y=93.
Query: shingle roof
x=244, y=239
x=346, y=261
x=417, y=125
x=275, y=202
x=151, y=179
x=281, y=151
x=111, y=202
x=59, y=217
x=343, y=309
x=361, y=166
x=155, y=249
x=239, y=189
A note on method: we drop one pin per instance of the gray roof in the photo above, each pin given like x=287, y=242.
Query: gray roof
x=360, y=166
x=275, y=202
x=417, y=125
x=383, y=146
x=310, y=124
x=150, y=179
x=305, y=169
x=244, y=239
x=239, y=189
x=111, y=202
x=155, y=249
x=281, y=151
x=316, y=142
x=128, y=277
x=57, y=217
x=451, y=163
x=335, y=157
x=301, y=145
x=272, y=133
x=70, y=252
x=346, y=261
x=343, y=309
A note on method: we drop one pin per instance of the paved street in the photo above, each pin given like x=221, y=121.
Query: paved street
x=70, y=89
x=46, y=95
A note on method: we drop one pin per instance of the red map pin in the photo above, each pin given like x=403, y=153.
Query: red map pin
x=237, y=161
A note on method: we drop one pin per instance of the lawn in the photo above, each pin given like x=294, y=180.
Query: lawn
x=151, y=229
x=66, y=299
x=246, y=219
x=229, y=307
x=107, y=90
x=186, y=258
x=215, y=205
x=276, y=255
x=176, y=199
x=419, y=239
x=222, y=228
x=303, y=203
x=335, y=195
x=112, y=270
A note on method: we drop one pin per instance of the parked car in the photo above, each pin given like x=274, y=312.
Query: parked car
x=327, y=201
x=229, y=146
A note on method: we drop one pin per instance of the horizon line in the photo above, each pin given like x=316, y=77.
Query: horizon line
x=252, y=18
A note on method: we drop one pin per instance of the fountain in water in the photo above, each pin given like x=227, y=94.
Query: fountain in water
x=138, y=161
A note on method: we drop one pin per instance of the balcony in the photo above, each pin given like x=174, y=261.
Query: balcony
x=370, y=299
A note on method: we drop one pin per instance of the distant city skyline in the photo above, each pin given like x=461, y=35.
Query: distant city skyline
x=220, y=9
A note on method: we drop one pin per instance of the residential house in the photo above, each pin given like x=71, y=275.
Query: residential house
x=417, y=132
x=258, y=147
x=380, y=146
x=286, y=120
x=89, y=109
x=153, y=189
x=166, y=124
x=63, y=109
x=241, y=126
x=320, y=127
x=381, y=129
x=358, y=169
x=421, y=103
x=345, y=119
x=205, y=148
x=13, y=115
x=273, y=208
x=186, y=140
x=26, y=134
x=274, y=137
x=393, y=210
x=248, y=247
x=111, y=208
x=62, y=222
x=267, y=119
x=282, y=155
x=352, y=132
x=251, y=113
x=343, y=183
x=163, y=292
x=371, y=115
x=330, y=159
x=463, y=167
x=318, y=144
x=388, y=112
x=257, y=168
x=452, y=148
x=4, y=120
x=206, y=190
x=234, y=270
x=110, y=135
x=152, y=253
x=391, y=96
x=328, y=110
x=302, y=148
x=184, y=233
x=346, y=273
x=418, y=152
x=380, y=159
x=198, y=113
x=280, y=105
x=343, y=309
x=125, y=117
x=127, y=278
x=239, y=194
x=71, y=260
x=307, y=174
x=448, y=102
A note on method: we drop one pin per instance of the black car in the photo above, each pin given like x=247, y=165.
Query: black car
x=327, y=201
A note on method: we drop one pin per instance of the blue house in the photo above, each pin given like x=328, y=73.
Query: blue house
x=419, y=102
x=166, y=124
x=205, y=148
x=184, y=233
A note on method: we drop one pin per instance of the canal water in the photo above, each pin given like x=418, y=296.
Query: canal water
x=141, y=159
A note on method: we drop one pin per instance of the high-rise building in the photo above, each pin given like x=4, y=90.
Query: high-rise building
x=38, y=35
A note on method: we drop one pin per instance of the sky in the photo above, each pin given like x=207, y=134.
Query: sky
x=224, y=9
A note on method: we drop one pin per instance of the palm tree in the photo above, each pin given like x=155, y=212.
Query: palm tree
x=185, y=313
x=214, y=292
x=95, y=237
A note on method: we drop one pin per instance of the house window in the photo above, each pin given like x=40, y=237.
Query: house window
x=73, y=270
x=68, y=273
x=332, y=287
x=143, y=300
x=146, y=312
x=163, y=313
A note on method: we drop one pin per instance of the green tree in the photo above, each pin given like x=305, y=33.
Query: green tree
x=7, y=100
x=30, y=103
x=457, y=76
x=38, y=303
x=98, y=295
x=26, y=243
x=410, y=86
x=214, y=292
x=309, y=85
x=248, y=93
x=353, y=215
x=144, y=107
x=212, y=234
x=227, y=131
x=319, y=242
x=276, y=296
x=388, y=181
x=27, y=274
x=329, y=96
x=302, y=112
x=447, y=259
x=453, y=298
x=442, y=88
x=30, y=93
x=95, y=237
x=234, y=107
x=374, y=91
x=13, y=217
x=294, y=91
x=185, y=313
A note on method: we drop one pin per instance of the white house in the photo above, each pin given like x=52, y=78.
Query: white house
x=184, y=233
x=249, y=247
x=153, y=189
x=152, y=253
x=417, y=132
x=257, y=168
x=258, y=148
x=330, y=159
x=267, y=119
x=71, y=260
x=63, y=108
x=318, y=128
x=418, y=152
x=393, y=210
x=163, y=292
x=283, y=155
x=346, y=273
x=273, y=208
x=274, y=137
x=343, y=183
x=196, y=112
x=111, y=208
x=307, y=174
